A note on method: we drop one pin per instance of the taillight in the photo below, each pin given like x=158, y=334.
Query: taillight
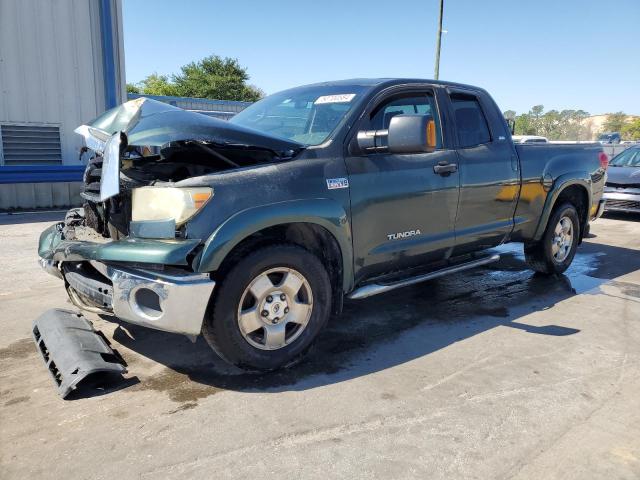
x=604, y=160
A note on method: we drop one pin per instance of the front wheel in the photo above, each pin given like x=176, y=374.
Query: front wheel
x=269, y=308
x=555, y=251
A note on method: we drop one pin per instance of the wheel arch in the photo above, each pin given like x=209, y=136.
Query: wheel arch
x=575, y=188
x=320, y=225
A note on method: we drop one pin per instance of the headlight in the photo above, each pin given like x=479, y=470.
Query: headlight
x=162, y=203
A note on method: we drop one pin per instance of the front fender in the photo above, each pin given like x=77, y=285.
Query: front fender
x=324, y=212
x=561, y=183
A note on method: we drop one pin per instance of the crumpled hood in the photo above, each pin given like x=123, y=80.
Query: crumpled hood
x=147, y=122
x=623, y=175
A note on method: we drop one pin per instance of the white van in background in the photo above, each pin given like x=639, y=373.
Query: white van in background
x=529, y=139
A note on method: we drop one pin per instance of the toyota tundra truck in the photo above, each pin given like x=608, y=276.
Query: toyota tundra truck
x=252, y=232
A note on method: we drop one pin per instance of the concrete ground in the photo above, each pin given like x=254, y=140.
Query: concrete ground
x=494, y=373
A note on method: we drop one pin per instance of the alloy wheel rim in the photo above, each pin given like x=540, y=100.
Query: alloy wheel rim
x=562, y=239
x=275, y=308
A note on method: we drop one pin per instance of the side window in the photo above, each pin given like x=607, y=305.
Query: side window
x=423, y=104
x=471, y=123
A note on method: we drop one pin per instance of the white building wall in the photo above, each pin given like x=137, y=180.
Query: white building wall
x=51, y=69
x=51, y=65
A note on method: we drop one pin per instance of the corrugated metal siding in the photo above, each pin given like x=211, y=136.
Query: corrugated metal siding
x=47, y=67
x=50, y=64
x=51, y=69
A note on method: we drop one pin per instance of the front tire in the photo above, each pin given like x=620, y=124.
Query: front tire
x=269, y=309
x=555, y=251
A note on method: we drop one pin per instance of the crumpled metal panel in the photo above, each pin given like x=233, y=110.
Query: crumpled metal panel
x=147, y=122
x=72, y=350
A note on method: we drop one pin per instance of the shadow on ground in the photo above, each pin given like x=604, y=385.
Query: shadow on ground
x=628, y=217
x=390, y=329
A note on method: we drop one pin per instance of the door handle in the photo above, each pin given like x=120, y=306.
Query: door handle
x=445, y=168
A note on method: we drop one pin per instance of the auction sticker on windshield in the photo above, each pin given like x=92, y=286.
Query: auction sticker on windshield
x=342, y=98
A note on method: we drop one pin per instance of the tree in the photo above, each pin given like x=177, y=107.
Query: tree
x=555, y=125
x=509, y=114
x=216, y=77
x=631, y=130
x=212, y=77
x=576, y=128
x=156, y=84
x=614, y=122
x=524, y=125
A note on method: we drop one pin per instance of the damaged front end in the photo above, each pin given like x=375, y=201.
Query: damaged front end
x=126, y=251
x=148, y=143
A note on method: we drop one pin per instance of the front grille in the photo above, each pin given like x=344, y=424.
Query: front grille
x=110, y=218
x=623, y=185
x=622, y=205
x=91, y=179
x=94, y=289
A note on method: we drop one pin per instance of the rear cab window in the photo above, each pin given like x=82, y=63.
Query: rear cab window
x=471, y=123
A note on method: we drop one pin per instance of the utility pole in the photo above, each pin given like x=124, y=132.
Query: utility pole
x=436, y=69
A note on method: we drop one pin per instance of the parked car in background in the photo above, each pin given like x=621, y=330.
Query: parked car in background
x=610, y=138
x=622, y=190
x=529, y=139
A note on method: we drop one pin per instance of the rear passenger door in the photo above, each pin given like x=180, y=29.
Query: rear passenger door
x=489, y=173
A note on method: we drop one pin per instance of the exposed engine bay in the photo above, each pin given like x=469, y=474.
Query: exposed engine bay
x=178, y=161
x=160, y=145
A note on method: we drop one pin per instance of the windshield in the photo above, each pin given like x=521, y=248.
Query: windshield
x=306, y=115
x=628, y=158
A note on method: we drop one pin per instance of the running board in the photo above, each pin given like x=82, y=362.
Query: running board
x=376, y=288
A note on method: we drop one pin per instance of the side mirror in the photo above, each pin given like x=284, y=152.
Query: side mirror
x=406, y=134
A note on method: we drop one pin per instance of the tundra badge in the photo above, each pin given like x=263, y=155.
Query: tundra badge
x=399, y=235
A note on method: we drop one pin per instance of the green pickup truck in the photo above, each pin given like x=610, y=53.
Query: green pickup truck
x=251, y=232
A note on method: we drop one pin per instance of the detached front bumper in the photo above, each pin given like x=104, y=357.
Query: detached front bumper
x=170, y=299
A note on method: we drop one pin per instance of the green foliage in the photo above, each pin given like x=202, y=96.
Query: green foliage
x=133, y=88
x=615, y=122
x=212, y=77
x=525, y=125
x=509, y=114
x=631, y=130
x=156, y=84
x=555, y=125
x=216, y=77
x=536, y=111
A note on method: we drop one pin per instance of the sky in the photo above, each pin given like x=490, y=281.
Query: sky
x=563, y=54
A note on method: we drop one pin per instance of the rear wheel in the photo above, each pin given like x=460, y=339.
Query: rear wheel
x=555, y=251
x=269, y=308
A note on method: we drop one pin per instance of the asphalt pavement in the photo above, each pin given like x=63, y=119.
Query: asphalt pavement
x=493, y=373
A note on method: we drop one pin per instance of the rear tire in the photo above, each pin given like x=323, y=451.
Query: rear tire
x=555, y=251
x=269, y=308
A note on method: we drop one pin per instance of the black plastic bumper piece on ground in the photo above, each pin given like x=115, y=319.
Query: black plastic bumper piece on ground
x=72, y=350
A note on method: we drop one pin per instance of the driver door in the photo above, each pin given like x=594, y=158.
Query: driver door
x=402, y=211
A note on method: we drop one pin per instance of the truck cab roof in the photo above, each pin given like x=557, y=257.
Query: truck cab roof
x=391, y=81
